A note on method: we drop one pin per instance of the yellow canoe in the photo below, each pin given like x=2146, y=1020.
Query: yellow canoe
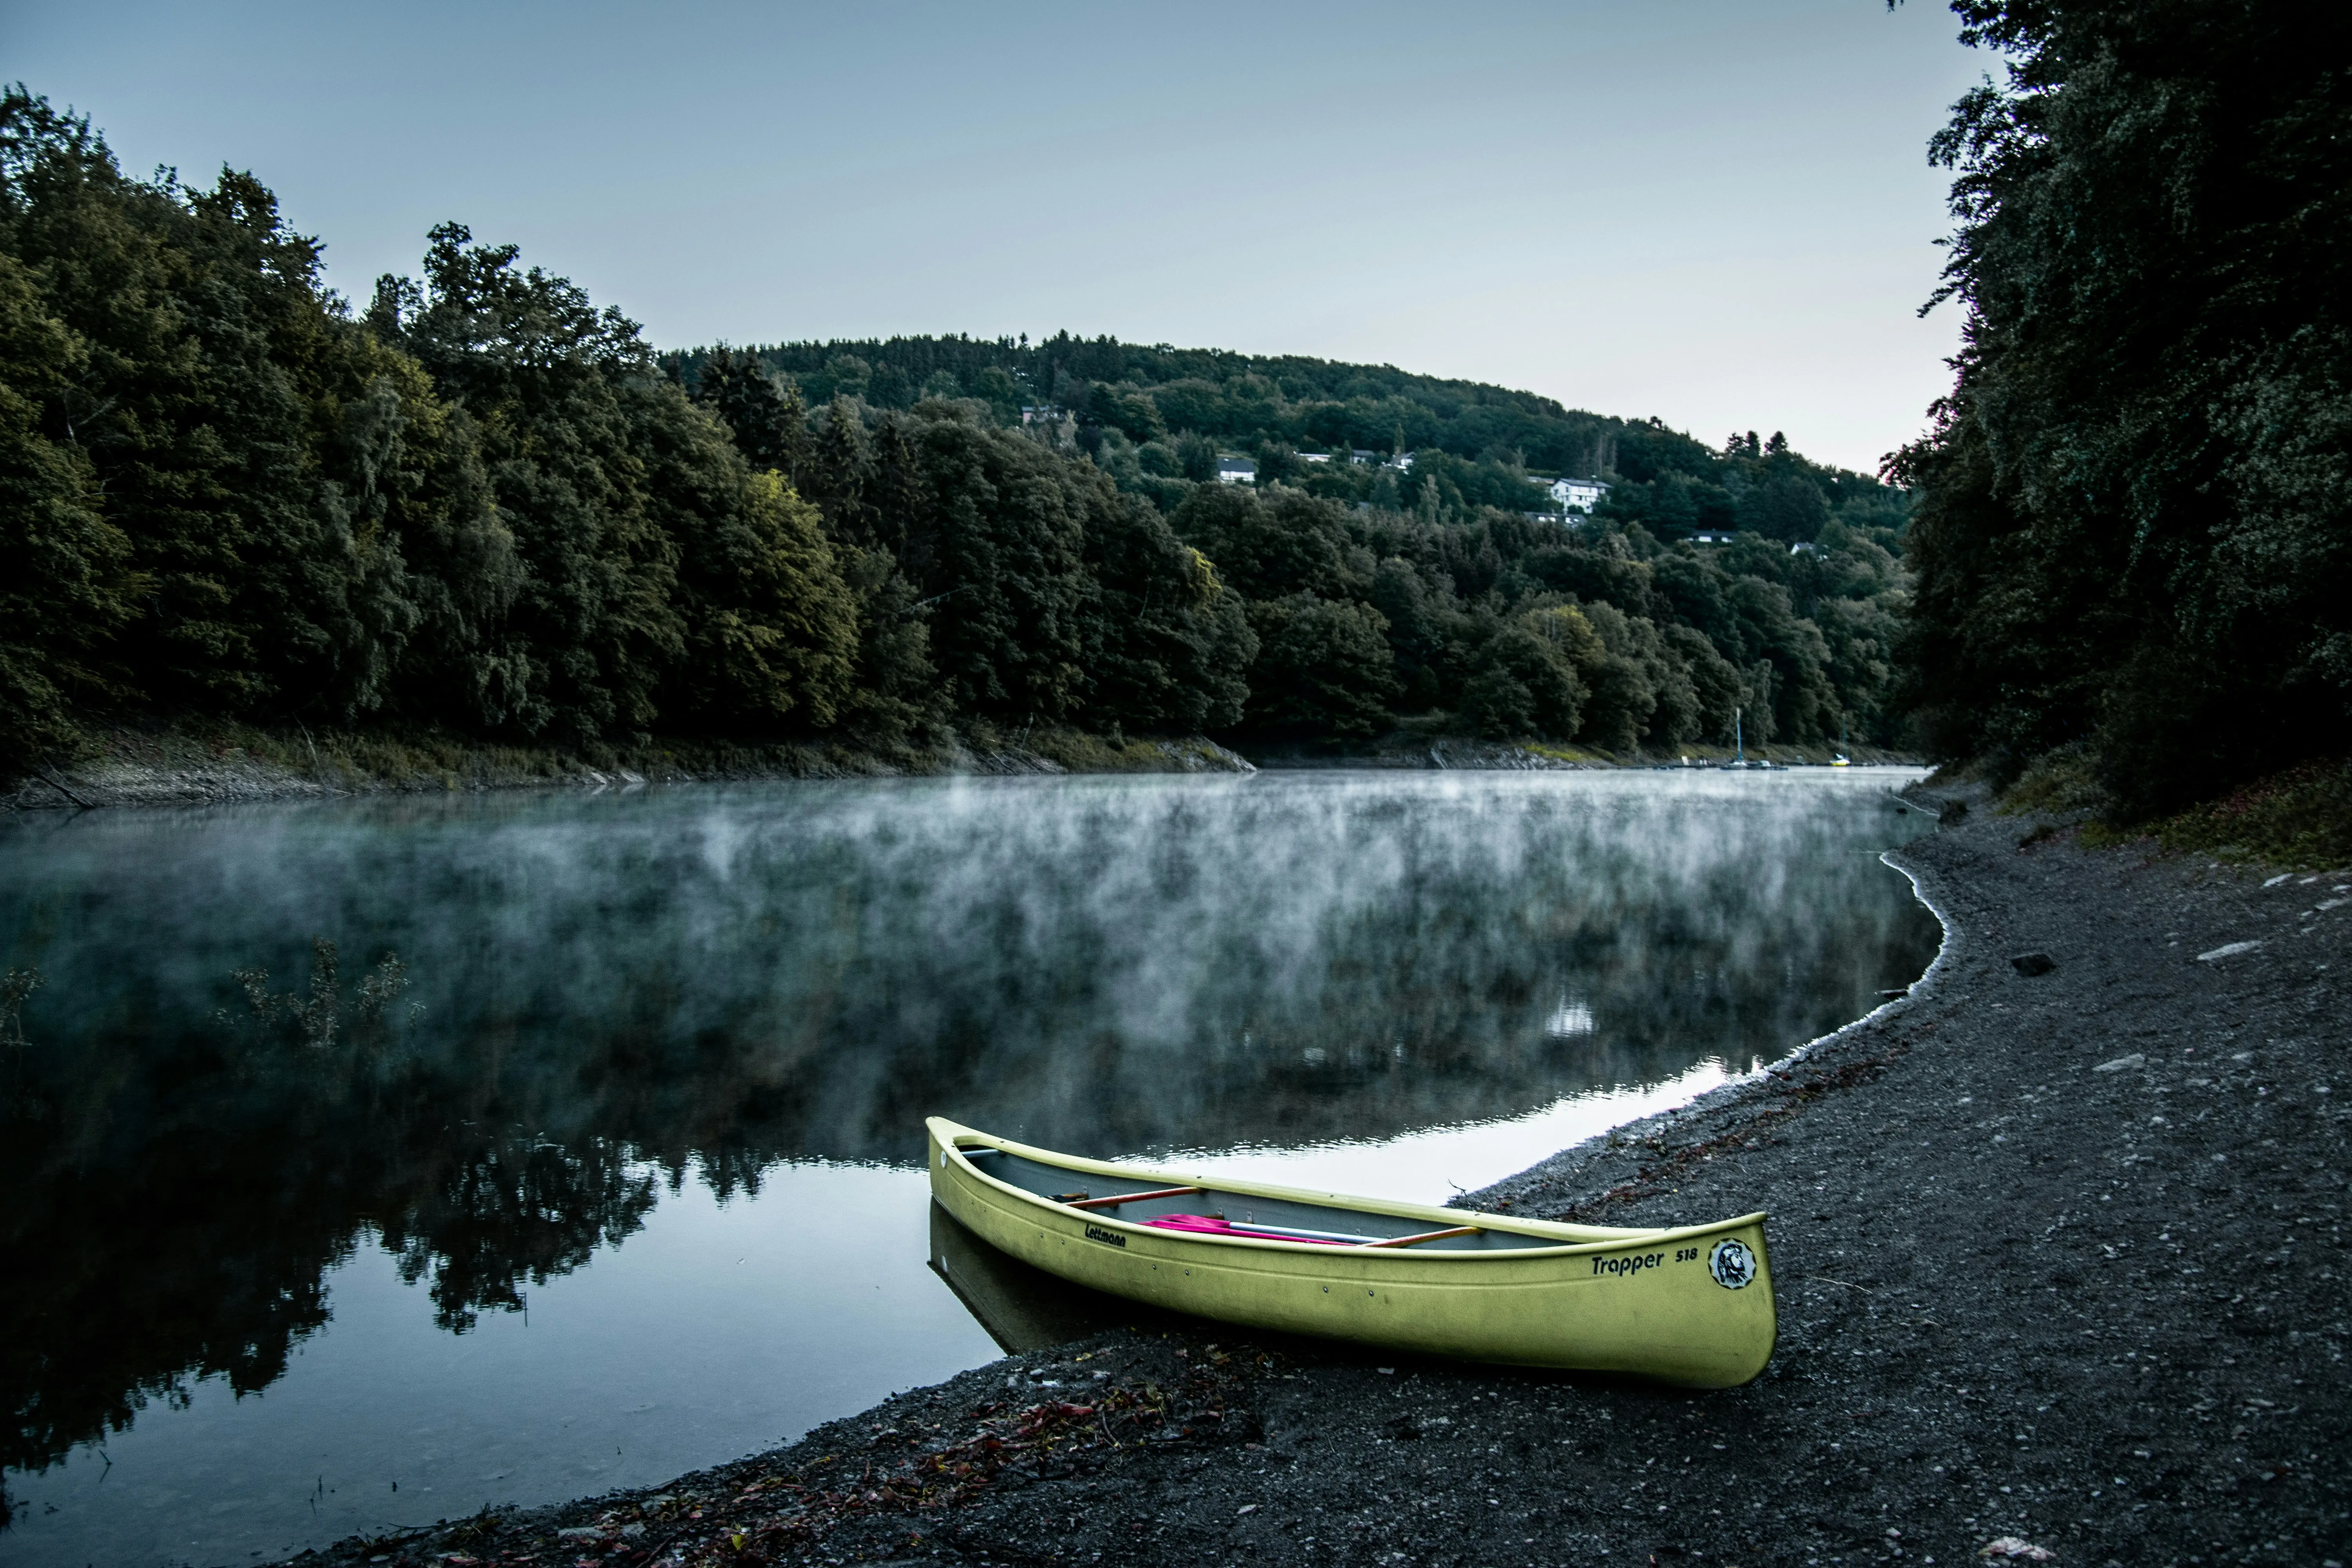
x=1691, y=1305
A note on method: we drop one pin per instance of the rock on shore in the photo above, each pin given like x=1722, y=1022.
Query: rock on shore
x=2061, y=1277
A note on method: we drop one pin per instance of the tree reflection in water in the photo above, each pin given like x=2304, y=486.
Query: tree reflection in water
x=602, y=998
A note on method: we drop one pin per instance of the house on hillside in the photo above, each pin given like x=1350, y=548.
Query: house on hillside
x=1710, y=539
x=1236, y=472
x=1804, y=550
x=1401, y=463
x=1577, y=495
x=1042, y=414
x=1313, y=457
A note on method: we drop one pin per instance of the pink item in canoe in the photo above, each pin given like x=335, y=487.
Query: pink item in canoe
x=1212, y=1226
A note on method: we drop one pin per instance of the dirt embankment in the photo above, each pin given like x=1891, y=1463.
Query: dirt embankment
x=198, y=767
x=161, y=765
x=2061, y=1270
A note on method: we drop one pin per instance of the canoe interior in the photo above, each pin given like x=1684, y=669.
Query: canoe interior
x=1055, y=1182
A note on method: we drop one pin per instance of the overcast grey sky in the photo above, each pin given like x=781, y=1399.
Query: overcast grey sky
x=1718, y=213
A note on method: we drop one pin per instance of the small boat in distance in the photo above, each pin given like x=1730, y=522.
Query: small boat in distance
x=1689, y=1305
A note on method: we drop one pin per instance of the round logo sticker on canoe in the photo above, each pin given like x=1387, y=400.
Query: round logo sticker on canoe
x=1732, y=1266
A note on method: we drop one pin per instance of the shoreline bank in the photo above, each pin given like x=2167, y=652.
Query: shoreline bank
x=236, y=765
x=225, y=765
x=2060, y=1263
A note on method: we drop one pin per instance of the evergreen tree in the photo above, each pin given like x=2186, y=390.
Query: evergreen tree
x=1008, y=525
x=1172, y=644
x=65, y=586
x=769, y=425
x=552, y=384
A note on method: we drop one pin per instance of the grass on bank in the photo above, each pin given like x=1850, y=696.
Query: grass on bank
x=422, y=760
x=2300, y=819
x=150, y=758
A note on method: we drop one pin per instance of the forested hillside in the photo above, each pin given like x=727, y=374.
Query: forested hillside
x=482, y=506
x=1156, y=416
x=2135, y=545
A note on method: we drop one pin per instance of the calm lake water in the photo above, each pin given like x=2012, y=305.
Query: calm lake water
x=615, y=1171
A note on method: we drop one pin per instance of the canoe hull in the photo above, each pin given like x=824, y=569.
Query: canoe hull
x=1647, y=1303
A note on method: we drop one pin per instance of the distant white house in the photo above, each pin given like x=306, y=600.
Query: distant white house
x=1710, y=539
x=1313, y=457
x=1236, y=472
x=1577, y=495
x=1804, y=550
x=1042, y=414
x=1361, y=455
x=1401, y=463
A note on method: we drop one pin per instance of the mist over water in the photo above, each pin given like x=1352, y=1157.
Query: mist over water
x=654, y=1066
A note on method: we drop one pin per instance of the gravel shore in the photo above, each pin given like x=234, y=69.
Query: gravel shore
x=2061, y=1277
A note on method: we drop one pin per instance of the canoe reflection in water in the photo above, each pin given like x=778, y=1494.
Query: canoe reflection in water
x=1024, y=1308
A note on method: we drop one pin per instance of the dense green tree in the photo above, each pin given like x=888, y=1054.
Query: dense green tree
x=840, y=470
x=1786, y=508
x=1269, y=544
x=65, y=589
x=770, y=426
x=896, y=693
x=1007, y=532
x=1196, y=458
x=557, y=390
x=1715, y=682
x=419, y=491
x=1324, y=668
x=203, y=356
x=1420, y=616
x=771, y=628
x=1640, y=691
x=2132, y=535
x=1128, y=410
x=1526, y=679
x=1603, y=569
x=1172, y=644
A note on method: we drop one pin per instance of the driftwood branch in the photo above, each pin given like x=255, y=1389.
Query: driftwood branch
x=59, y=784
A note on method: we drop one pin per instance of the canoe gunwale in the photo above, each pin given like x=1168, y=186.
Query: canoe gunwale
x=950, y=1137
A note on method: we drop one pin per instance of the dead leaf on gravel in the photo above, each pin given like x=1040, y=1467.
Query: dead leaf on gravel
x=2010, y=1547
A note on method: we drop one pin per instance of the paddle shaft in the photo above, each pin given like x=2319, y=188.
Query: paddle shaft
x=1117, y=1198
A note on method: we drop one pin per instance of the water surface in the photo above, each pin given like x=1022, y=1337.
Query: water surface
x=613, y=1170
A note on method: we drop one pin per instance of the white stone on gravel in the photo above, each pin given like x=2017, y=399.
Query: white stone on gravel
x=2120, y=1063
x=2229, y=950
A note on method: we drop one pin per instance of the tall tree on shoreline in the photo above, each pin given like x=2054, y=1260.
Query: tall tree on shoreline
x=2134, y=536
